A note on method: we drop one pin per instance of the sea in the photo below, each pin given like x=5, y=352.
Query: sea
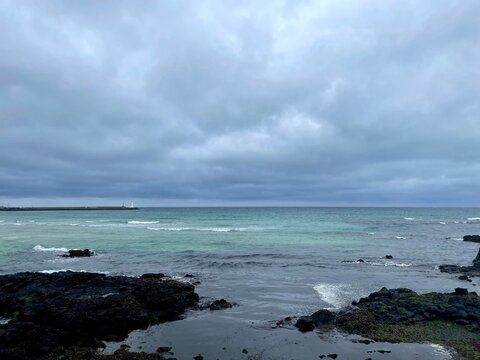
x=270, y=262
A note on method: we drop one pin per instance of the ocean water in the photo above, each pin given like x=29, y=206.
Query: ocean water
x=270, y=262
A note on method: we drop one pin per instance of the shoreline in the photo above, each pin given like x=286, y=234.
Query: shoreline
x=117, y=305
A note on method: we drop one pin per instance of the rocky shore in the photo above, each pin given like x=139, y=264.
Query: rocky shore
x=402, y=315
x=48, y=314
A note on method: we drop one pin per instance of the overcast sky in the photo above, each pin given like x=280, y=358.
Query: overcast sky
x=373, y=102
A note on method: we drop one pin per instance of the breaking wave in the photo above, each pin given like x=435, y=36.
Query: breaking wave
x=212, y=229
x=142, y=222
x=41, y=248
x=82, y=271
x=390, y=263
x=337, y=295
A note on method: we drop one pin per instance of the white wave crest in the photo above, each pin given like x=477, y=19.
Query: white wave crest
x=41, y=248
x=390, y=263
x=142, y=222
x=442, y=223
x=212, y=229
x=371, y=233
x=63, y=270
x=474, y=219
x=409, y=218
x=168, y=229
x=400, y=237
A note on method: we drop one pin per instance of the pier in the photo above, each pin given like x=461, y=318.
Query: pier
x=67, y=208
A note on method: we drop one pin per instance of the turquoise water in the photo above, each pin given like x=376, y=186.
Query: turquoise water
x=273, y=262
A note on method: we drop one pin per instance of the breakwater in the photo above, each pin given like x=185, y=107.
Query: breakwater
x=66, y=208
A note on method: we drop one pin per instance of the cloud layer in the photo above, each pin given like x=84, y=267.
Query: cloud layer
x=279, y=102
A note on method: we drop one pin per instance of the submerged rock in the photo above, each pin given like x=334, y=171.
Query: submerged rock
x=64, y=309
x=219, y=305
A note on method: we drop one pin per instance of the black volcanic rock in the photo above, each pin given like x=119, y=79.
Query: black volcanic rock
x=82, y=309
x=469, y=271
x=401, y=306
x=79, y=253
x=219, y=305
x=323, y=317
x=406, y=306
x=472, y=238
x=305, y=323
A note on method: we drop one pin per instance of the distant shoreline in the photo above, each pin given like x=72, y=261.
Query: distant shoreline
x=67, y=208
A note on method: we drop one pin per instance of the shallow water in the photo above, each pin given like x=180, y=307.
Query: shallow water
x=272, y=262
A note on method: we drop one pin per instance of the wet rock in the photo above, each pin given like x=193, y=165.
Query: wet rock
x=360, y=260
x=164, y=349
x=472, y=238
x=461, y=291
x=464, y=277
x=79, y=253
x=305, y=323
x=323, y=317
x=388, y=257
x=364, y=341
x=332, y=356
x=64, y=309
x=406, y=306
x=219, y=305
x=156, y=276
x=469, y=271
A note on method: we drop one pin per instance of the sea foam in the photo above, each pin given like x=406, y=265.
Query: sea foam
x=142, y=222
x=82, y=271
x=41, y=248
x=390, y=263
x=337, y=295
x=207, y=229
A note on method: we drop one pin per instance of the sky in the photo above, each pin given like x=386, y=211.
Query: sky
x=198, y=103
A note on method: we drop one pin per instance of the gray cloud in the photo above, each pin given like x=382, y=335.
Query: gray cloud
x=283, y=102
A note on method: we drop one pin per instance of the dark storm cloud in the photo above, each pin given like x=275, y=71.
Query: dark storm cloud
x=320, y=102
